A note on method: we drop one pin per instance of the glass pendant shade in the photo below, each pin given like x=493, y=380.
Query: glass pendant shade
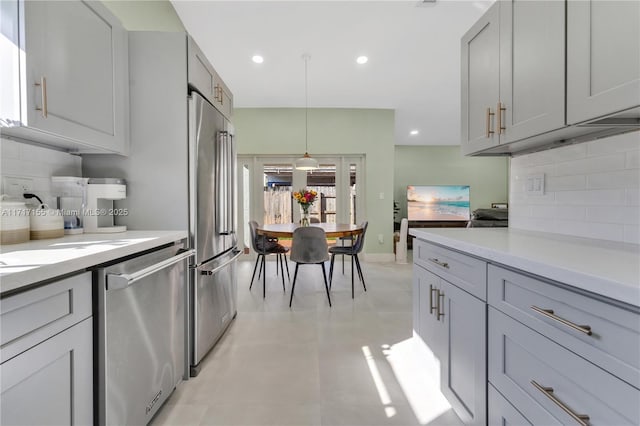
x=306, y=163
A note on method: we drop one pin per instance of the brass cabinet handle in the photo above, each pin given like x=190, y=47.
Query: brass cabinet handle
x=438, y=313
x=43, y=89
x=549, y=314
x=437, y=262
x=499, y=111
x=581, y=419
x=431, y=290
x=489, y=114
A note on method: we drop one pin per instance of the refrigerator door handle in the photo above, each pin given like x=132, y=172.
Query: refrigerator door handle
x=237, y=254
x=222, y=184
x=120, y=281
x=231, y=172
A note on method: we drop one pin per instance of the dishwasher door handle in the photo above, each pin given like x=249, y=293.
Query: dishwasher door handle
x=237, y=254
x=120, y=281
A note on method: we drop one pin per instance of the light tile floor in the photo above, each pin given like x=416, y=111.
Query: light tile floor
x=353, y=364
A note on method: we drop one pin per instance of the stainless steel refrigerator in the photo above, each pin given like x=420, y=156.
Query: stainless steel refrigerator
x=181, y=173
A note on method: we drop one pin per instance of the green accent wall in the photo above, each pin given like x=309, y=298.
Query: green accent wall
x=335, y=131
x=146, y=15
x=445, y=165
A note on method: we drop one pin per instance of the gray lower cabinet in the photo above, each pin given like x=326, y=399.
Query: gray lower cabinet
x=51, y=383
x=451, y=321
x=46, y=357
x=501, y=412
x=549, y=384
x=463, y=377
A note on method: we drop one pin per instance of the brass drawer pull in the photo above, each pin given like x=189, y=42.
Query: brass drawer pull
x=437, y=262
x=549, y=314
x=581, y=419
x=438, y=313
x=499, y=111
x=43, y=89
x=431, y=290
x=489, y=114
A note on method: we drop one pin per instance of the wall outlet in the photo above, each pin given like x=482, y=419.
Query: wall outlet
x=535, y=184
x=16, y=186
x=381, y=238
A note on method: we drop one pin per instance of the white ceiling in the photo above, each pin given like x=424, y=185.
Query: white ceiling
x=413, y=50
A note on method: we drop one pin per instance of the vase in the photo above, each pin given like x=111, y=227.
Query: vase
x=304, y=220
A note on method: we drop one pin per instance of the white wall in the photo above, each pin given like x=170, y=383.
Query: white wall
x=38, y=164
x=592, y=190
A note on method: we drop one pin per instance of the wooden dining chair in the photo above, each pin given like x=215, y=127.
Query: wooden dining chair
x=309, y=246
x=264, y=246
x=353, y=251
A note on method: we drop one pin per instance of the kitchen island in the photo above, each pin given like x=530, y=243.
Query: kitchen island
x=529, y=327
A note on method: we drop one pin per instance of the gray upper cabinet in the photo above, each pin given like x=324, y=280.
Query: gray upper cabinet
x=204, y=78
x=70, y=80
x=523, y=91
x=480, y=82
x=513, y=74
x=531, y=69
x=603, y=59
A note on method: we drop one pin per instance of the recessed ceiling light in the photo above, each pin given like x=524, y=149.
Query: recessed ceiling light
x=257, y=59
x=362, y=60
x=414, y=132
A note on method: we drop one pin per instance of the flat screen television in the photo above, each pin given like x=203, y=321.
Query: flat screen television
x=438, y=203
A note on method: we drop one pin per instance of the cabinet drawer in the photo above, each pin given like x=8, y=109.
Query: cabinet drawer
x=468, y=273
x=501, y=412
x=549, y=384
x=30, y=317
x=614, y=342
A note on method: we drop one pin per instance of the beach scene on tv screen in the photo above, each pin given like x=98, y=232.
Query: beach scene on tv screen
x=438, y=202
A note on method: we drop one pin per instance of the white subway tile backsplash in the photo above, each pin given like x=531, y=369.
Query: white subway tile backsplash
x=565, y=183
x=591, y=190
x=591, y=165
x=632, y=234
x=591, y=197
x=632, y=197
x=619, y=143
x=626, y=215
x=38, y=164
x=632, y=159
x=618, y=179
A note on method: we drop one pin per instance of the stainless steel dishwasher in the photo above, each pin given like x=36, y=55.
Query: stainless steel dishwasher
x=141, y=333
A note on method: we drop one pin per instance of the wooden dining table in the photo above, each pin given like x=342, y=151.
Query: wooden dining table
x=285, y=230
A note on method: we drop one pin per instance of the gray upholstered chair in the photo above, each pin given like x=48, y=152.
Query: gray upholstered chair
x=309, y=246
x=264, y=246
x=352, y=251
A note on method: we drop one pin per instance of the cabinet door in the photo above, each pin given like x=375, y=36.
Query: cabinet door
x=501, y=412
x=603, y=58
x=464, y=364
x=51, y=383
x=431, y=330
x=76, y=73
x=532, y=54
x=480, y=82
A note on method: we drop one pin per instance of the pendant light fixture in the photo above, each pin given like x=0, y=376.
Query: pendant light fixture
x=306, y=162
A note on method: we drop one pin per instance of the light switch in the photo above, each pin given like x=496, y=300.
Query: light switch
x=382, y=195
x=535, y=184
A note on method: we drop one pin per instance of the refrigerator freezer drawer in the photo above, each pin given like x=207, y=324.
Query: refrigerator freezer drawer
x=214, y=304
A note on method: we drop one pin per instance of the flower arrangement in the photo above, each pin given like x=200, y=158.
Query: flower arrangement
x=305, y=197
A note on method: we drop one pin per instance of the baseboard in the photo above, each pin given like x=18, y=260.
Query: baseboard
x=379, y=257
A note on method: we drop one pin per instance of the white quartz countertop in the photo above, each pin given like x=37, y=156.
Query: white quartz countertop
x=39, y=260
x=606, y=268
